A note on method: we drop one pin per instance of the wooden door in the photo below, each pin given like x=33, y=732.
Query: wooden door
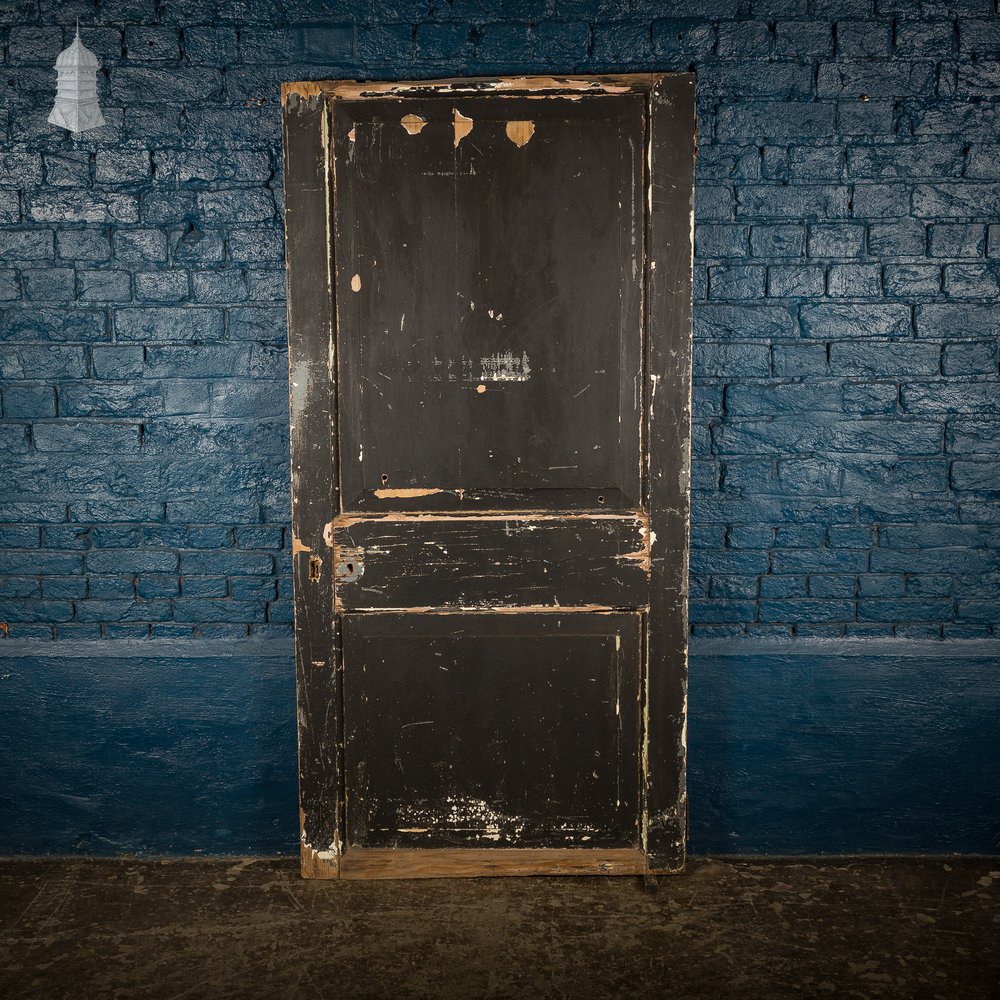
x=489, y=331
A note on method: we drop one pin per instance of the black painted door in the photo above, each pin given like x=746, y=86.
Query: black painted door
x=494, y=471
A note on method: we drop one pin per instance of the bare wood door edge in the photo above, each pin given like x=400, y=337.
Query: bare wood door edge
x=316, y=500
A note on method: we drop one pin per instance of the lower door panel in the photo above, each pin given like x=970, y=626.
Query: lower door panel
x=507, y=733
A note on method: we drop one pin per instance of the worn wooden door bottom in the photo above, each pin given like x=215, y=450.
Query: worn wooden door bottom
x=362, y=863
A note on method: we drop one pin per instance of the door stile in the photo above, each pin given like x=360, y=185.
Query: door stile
x=669, y=263
x=315, y=483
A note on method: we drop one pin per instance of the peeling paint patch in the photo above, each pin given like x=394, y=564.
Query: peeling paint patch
x=404, y=493
x=480, y=388
x=505, y=366
x=356, y=283
x=353, y=134
x=413, y=124
x=298, y=545
x=463, y=126
x=520, y=133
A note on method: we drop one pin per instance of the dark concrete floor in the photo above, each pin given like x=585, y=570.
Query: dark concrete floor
x=872, y=928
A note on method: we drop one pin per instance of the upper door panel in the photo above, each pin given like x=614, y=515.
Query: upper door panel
x=488, y=262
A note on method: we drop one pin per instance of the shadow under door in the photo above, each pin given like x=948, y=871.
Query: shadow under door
x=489, y=331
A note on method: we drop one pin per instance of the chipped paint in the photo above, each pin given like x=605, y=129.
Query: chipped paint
x=505, y=366
x=356, y=283
x=407, y=493
x=463, y=126
x=520, y=133
x=413, y=123
x=298, y=545
x=540, y=86
x=353, y=134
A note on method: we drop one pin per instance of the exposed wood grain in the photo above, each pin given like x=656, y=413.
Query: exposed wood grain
x=359, y=863
x=467, y=562
x=542, y=86
x=312, y=404
x=668, y=399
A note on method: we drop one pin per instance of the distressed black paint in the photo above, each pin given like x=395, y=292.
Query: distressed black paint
x=468, y=562
x=492, y=730
x=312, y=391
x=668, y=400
x=512, y=294
x=488, y=302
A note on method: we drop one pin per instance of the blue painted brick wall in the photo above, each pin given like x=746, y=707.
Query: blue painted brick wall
x=846, y=427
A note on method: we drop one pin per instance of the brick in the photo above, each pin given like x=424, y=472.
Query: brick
x=104, y=286
x=118, y=362
x=925, y=38
x=981, y=476
x=210, y=46
x=803, y=39
x=736, y=282
x=796, y=281
x=836, y=240
x=778, y=240
x=41, y=324
x=86, y=437
x=121, y=166
x=775, y=120
x=204, y=166
x=897, y=239
x=140, y=246
x=854, y=281
x=203, y=361
x=161, y=286
x=165, y=84
x=799, y=359
x=88, y=246
x=971, y=281
x=871, y=201
x=729, y=360
x=20, y=586
x=910, y=281
x=902, y=610
x=724, y=322
x=745, y=40
x=956, y=199
x=27, y=402
x=852, y=322
x=21, y=168
x=44, y=362
x=563, y=41
x=67, y=169
x=947, y=396
x=255, y=246
x=442, y=41
x=220, y=285
x=976, y=358
x=957, y=321
x=682, y=41
x=226, y=562
x=884, y=359
x=49, y=284
x=145, y=44
x=721, y=240
x=983, y=162
x=909, y=161
x=163, y=324
x=792, y=201
x=31, y=244
x=83, y=206
x=957, y=240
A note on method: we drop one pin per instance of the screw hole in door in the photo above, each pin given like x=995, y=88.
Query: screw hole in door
x=384, y=478
x=600, y=500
